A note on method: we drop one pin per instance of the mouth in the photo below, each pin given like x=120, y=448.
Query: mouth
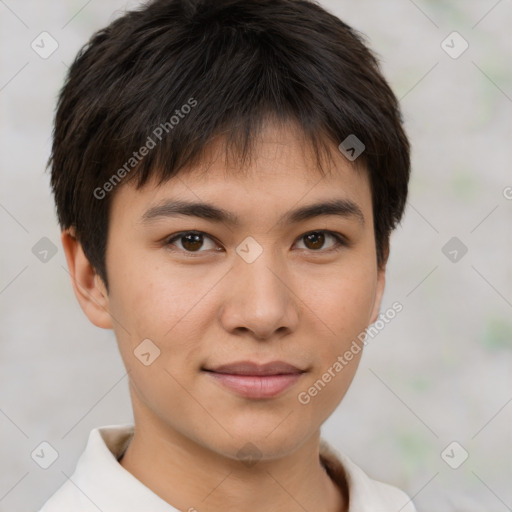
x=256, y=381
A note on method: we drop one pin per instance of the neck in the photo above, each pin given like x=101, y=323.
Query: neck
x=192, y=478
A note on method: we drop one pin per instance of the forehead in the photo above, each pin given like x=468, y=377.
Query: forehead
x=282, y=172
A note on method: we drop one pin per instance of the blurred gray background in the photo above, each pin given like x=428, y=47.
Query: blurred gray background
x=439, y=373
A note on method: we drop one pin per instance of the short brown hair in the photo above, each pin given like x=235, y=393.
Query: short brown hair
x=221, y=67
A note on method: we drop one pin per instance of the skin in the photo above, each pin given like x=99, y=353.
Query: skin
x=297, y=302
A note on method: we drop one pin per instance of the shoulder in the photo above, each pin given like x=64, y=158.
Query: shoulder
x=65, y=499
x=85, y=490
x=363, y=492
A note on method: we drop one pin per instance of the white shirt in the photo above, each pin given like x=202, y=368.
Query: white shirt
x=100, y=483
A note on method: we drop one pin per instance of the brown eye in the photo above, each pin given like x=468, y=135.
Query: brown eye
x=191, y=241
x=316, y=240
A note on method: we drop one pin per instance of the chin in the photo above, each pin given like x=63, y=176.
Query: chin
x=264, y=443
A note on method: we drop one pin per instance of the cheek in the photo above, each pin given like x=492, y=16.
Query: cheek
x=341, y=302
x=163, y=309
x=156, y=300
x=172, y=309
x=340, y=311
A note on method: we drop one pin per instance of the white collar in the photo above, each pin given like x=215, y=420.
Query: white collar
x=100, y=483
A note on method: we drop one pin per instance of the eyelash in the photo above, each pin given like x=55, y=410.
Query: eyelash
x=341, y=242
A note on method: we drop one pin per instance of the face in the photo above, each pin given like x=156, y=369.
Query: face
x=258, y=276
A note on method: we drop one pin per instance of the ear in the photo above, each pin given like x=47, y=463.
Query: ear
x=379, y=293
x=381, y=284
x=87, y=284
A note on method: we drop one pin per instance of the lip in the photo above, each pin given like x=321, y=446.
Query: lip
x=252, y=368
x=257, y=381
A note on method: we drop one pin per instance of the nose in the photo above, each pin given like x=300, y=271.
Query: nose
x=259, y=299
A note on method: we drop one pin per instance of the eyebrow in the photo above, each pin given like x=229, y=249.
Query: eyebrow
x=345, y=208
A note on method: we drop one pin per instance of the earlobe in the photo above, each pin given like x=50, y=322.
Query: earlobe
x=87, y=285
